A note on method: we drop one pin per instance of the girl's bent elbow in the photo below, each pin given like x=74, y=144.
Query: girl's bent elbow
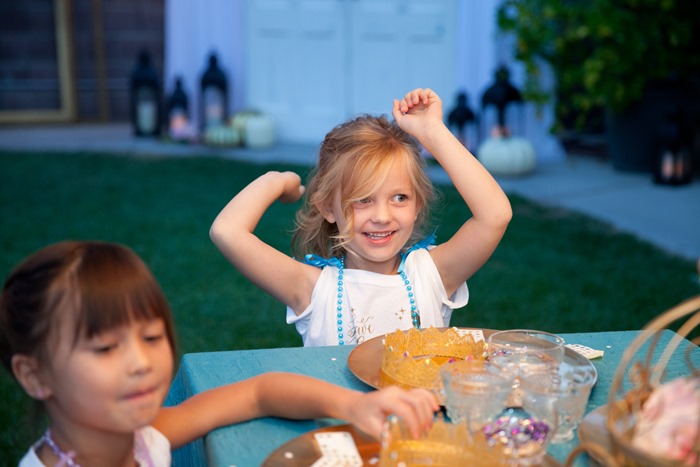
x=215, y=233
x=501, y=219
x=507, y=216
x=506, y=213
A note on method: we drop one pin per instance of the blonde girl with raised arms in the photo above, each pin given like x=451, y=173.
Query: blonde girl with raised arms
x=86, y=331
x=366, y=266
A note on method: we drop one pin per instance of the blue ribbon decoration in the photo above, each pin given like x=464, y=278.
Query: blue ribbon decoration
x=427, y=241
x=321, y=262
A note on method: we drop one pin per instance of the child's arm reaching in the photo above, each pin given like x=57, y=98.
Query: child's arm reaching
x=281, y=276
x=293, y=396
x=419, y=113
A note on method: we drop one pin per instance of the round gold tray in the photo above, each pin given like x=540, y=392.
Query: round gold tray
x=365, y=360
x=304, y=451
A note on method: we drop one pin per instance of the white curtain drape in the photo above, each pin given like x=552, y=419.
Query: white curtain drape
x=194, y=29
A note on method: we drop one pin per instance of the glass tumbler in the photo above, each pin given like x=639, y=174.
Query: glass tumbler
x=557, y=395
x=476, y=391
x=516, y=349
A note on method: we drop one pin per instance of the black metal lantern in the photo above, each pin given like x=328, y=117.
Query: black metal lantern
x=178, y=116
x=214, y=95
x=674, y=152
x=460, y=116
x=500, y=94
x=502, y=153
x=145, y=97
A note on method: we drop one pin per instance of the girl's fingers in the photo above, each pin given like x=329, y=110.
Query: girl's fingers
x=419, y=96
x=397, y=113
x=426, y=95
x=408, y=101
x=414, y=97
x=417, y=101
x=424, y=406
x=417, y=409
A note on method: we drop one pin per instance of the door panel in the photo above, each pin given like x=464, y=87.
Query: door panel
x=295, y=63
x=416, y=48
x=314, y=63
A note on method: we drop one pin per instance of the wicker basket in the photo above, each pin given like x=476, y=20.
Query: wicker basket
x=641, y=370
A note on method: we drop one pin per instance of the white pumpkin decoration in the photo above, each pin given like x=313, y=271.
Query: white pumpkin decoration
x=222, y=135
x=238, y=122
x=257, y=130
x=507, y=155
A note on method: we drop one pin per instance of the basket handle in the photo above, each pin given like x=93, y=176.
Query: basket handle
x=661, y=322
x=595, y=451
x=689, y=307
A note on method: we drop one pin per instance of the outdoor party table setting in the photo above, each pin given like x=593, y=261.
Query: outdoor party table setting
x=509, y=397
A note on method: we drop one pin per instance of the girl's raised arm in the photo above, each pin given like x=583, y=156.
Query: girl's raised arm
x=293, y=396
x=232, y=232
x=420, y=114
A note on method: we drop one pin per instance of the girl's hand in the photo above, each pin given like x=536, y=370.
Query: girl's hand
x=293, y=189
x=416, y=407
x=418, y=112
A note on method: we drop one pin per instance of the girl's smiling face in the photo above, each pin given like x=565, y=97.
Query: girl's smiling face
x=382, y=223
x=115, y=381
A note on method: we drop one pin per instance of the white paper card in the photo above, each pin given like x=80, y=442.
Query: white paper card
x=337, y=450
x=587, y=352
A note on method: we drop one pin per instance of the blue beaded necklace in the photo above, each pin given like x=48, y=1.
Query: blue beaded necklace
x=321, y=262
x=415, y=315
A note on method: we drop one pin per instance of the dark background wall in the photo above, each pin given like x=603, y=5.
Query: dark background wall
x=105, y=37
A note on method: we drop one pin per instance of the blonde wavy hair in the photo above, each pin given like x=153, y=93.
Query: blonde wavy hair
x=355, y=158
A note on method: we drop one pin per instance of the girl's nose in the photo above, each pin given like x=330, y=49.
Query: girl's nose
x=381, y=213
x=139, y=359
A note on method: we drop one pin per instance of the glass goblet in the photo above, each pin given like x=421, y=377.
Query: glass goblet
x=557, y=395
x=475, y=391
x=519, y=348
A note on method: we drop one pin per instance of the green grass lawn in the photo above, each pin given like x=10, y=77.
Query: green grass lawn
x=554, y=270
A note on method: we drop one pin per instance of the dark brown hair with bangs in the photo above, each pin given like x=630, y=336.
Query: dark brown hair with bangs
x=98, y=285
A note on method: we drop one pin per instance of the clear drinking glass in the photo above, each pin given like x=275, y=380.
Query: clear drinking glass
x=475, y=391
x=519, y=348
x=557, y=395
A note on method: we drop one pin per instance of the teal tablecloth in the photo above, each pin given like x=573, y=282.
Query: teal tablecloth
x=249, y=444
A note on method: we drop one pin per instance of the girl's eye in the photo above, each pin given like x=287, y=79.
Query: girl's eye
x=104, y=348
x=363, y=202
x=153, y=337
x=400, y=198
x=154, y=331
x=102, y=343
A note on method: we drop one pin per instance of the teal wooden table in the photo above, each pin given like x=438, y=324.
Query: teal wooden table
x=249, y=444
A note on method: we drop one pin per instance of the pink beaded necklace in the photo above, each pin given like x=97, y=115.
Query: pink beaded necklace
x=64, y=458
